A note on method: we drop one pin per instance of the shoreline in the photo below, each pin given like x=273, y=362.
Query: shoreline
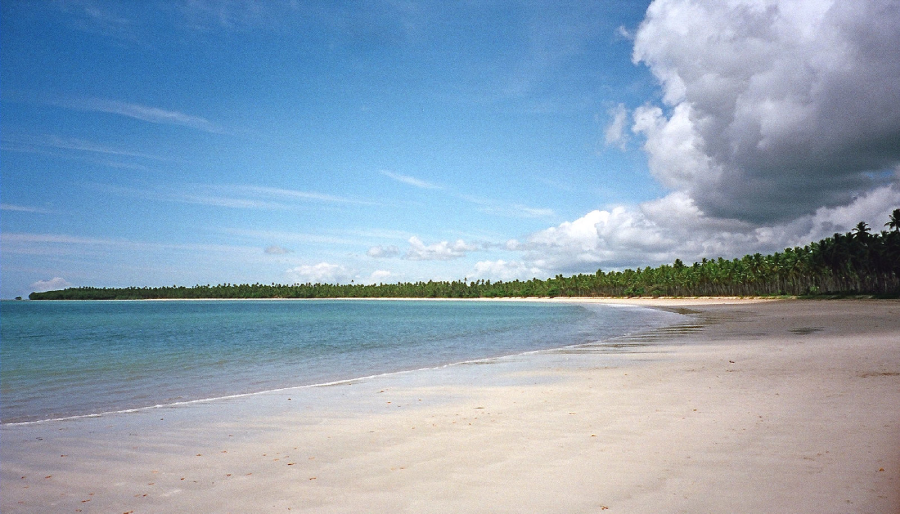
x=768, y=406
x=335, y=380
x=577, y=299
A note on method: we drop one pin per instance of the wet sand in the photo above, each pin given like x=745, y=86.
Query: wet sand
x=774, y=406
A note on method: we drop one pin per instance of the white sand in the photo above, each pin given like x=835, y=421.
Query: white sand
x=787, y=406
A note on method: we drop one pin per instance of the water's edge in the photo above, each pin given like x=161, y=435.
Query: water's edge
x=612, y=343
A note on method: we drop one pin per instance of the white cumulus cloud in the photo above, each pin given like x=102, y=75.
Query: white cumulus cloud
x=323, y=272
x=772, y=109
x=383, y=252
x=615, y=131
x=505, y=270
x=53, y=284
x=442, y=251
x=673, y=227
x=380, y=276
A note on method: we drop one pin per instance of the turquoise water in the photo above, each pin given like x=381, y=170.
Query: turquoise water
x=63, y=359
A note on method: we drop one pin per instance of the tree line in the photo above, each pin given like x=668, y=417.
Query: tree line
x=857, y=262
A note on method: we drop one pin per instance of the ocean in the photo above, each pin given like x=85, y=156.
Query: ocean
x=70, y=359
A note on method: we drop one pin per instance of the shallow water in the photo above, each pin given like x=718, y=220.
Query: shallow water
x=64, y=359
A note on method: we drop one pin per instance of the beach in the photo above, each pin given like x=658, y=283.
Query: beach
x=745, y=406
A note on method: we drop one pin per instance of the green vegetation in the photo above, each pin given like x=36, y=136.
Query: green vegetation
x=858, y=262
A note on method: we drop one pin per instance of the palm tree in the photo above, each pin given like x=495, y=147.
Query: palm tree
x=894, y=221
x=862, y=230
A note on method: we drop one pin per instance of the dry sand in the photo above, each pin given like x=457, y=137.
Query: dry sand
x=778, y=406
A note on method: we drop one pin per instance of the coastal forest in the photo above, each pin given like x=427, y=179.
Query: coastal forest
x=859, y=262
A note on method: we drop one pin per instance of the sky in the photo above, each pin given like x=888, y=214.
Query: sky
x=220, y=141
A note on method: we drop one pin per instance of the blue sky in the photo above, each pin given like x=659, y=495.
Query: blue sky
x=160, y=143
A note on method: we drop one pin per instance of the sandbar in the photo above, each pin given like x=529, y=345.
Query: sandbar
x=744, y=406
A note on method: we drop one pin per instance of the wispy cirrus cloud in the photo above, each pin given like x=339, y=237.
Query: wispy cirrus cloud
x=116, y=21
x=230, y=196
x=486, y=206
x=377, y=233
x=293, y=237
x=146, y=113
x=68, y=244
x=518, y=211
x=230, y=202
x=276, y=250
x=210, y=15
x=24, y=208
x=289, y=194
x=32, y=143
x=24, y=237
x=255, y=197
x=507, y=210
x=408, y=180
x=143, y=113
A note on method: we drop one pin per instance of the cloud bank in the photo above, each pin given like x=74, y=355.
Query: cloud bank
x=778, y=125
x=674, y=228
x=772, y=110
